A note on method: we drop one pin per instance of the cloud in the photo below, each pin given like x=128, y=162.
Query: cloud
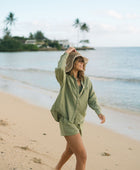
x=100, y=29
x=133, y=29
x=132, y=16
x=111, y=29
x=107, y=27
x=118, y=15
x=114, y=14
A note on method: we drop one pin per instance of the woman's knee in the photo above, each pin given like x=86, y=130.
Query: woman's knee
x=69, y=151
x=81, y=155
x=77, y=147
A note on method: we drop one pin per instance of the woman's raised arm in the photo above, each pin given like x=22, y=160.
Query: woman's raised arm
x=60, y=69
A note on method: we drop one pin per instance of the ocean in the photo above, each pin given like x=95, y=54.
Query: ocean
x=114, y=72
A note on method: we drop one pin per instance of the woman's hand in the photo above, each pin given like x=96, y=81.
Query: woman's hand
x=102, y=117
x=70, y=49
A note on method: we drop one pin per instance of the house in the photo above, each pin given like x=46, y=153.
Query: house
x=64, y=43
x=30, y=42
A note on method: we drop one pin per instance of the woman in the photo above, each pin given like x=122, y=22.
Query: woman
x=69, y=109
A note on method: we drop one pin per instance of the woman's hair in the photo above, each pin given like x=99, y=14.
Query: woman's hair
x=80, y=73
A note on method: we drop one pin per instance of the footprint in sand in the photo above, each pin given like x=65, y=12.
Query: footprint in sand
x=1, y=139
x=23, y=147
x=3, y=123
x=26, y=148
x=105, y=154
x=130, y=149
x=39, y=161
x=36, y=160
x=33, y=140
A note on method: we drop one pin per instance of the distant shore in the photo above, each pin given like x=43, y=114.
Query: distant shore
x=50, y=49
x=63, y=49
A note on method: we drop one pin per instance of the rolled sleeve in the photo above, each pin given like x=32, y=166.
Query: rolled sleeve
x=60, y=70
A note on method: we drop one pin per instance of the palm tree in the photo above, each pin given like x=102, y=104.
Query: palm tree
x=84, y=28
x=77, y=24
x=10, y=20
x=6, y=33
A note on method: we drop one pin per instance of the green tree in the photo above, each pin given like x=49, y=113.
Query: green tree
x=13, y=44
x=21, y=39
x=84, y=42
x=84, y=28
x=7, y=33
x=31, y=36
x=10, y=45
x=10, y=20
x=39, y=36
x=30, y=47
x=54, y=44
x=77, y=25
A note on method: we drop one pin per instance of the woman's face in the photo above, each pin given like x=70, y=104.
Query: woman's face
x=79, y=64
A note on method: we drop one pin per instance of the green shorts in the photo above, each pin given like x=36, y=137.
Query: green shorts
x=68, y=129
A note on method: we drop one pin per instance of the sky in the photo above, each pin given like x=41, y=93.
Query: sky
x=112, y=23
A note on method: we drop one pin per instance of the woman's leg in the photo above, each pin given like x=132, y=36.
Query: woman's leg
x=65, y=156
x=76, y=144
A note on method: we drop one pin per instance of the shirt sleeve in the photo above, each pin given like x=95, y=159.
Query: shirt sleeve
x=60, y=69
x=92, y=100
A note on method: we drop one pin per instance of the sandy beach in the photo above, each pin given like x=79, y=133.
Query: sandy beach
x=30, y=139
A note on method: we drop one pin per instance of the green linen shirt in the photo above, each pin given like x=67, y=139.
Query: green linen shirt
x=70, y=104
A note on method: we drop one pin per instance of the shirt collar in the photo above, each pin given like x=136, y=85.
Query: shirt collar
x=82, y=82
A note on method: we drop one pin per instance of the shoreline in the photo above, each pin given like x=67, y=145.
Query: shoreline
x=28, y=136
x=125, y=123
x=113, y=108
x=118, y=120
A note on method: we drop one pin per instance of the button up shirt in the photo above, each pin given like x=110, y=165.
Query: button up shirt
x=70, y=105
